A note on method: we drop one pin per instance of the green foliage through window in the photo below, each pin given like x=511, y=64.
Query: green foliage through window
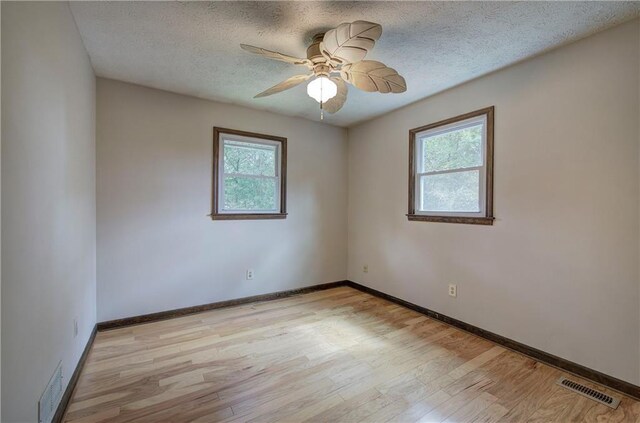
x=247, y=193
x=249, y=159
x=451, y=192
x=453, y=150
x=448, y=180
x=250, y=176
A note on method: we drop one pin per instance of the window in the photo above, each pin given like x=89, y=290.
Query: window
x=451, y=170
x=249, y=175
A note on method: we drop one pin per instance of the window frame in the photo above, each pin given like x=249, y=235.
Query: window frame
x=486, y=178
x=217, y=196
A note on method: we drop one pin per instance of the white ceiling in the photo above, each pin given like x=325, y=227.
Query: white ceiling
x=193, y=47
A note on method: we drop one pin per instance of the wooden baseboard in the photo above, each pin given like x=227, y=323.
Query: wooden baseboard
x=544, y=357
x=66, y=396
x=170, y=314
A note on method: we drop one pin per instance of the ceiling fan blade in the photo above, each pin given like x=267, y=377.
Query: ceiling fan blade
x=370, y=75
x=350, y=42
x=335, y=103
x=285, y=85
x=276, y=56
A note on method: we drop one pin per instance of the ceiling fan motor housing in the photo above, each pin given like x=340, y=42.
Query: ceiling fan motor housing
x=313, y=52
x=320, y=65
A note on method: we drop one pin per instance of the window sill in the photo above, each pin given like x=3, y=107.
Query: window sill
x=247, y=216
x=452, y=219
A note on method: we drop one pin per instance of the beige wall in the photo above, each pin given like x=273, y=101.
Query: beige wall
x=559, y=269
x=48, y=201
x=158, y=250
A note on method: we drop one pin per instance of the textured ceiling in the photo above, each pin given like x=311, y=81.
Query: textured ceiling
x=193, y=47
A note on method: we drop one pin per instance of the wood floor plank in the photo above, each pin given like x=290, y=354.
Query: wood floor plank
x=421, y=408
x=333, y=355
x=491, y=414
x=321, y=405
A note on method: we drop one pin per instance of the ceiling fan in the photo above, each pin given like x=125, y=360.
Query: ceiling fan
x=336, y=57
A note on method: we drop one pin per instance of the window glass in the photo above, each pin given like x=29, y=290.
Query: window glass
x=461, y=148
x=249, y=159
x=245, y=193
x=451, y=192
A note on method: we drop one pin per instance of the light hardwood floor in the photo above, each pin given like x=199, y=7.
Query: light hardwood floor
x=327, y=356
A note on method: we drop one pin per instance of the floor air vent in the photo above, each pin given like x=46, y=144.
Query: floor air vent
x=600, y=397
x=50, y=397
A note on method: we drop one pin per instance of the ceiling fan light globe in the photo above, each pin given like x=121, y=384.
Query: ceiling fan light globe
x=322, y=89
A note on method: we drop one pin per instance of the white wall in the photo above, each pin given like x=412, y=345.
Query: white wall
x=559, y=269
x=48, y=200
x=158, y=250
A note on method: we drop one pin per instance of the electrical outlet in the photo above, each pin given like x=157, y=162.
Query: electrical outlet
x=453, y=290
x=365, y=268
x=249, y=274
x=75, y=327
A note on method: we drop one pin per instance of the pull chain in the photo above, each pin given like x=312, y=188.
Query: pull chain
x=321, y=109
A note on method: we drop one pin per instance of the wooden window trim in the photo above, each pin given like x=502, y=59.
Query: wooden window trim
x=215, y=211
x=488, y=218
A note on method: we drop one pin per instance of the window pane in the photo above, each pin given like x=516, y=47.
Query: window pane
x=451, y=192
x=249, y=159
x=247, y=193
x=459, y=148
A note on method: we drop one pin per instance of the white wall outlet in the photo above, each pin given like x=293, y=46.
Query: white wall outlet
x=453, y=290
x=365, y=268
x=75, y=327
x=249, y=274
